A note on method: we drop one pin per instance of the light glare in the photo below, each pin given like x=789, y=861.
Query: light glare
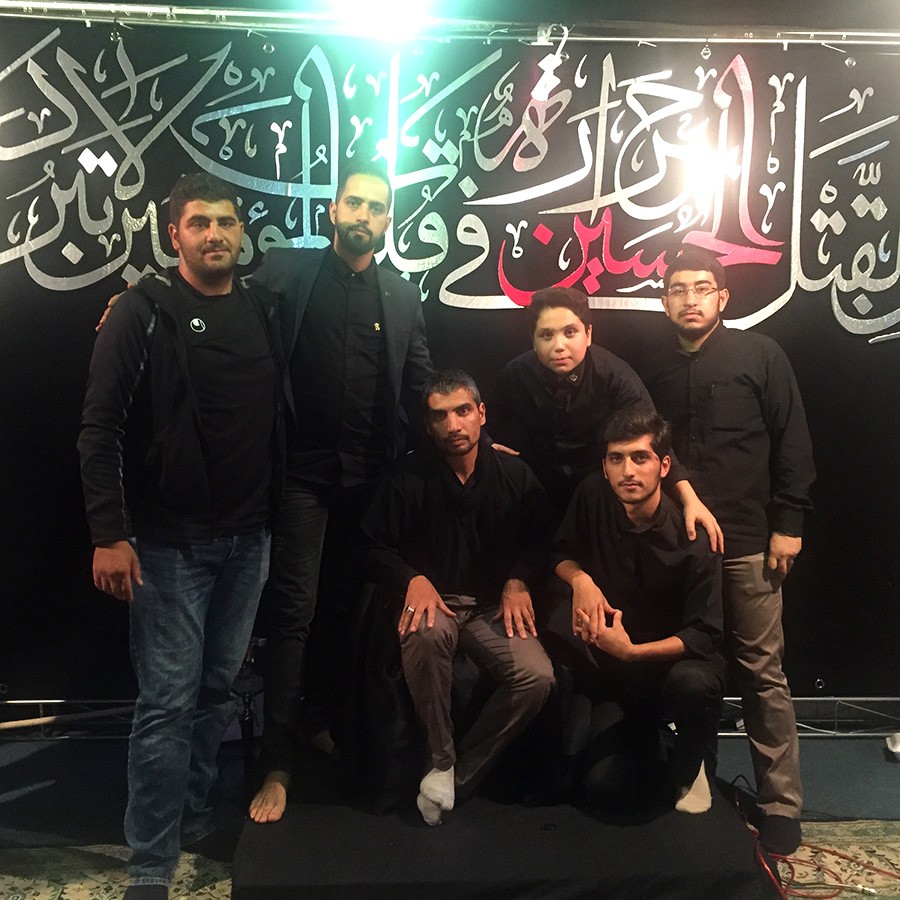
x=395, y=20
x=706, y=173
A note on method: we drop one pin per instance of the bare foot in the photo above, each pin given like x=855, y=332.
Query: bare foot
x=270, y=800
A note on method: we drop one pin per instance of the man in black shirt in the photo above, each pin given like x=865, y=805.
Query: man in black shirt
x=645, y=618
x=355, y=343
x=739, y=426
x=178, y=440
x=553, y=402
x=456, y=535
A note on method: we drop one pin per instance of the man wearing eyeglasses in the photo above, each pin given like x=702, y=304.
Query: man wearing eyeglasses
x=739, y=426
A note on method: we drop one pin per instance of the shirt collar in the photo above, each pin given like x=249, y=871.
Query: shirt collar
x=177, y=276
x=713, y=339
x=568, y=380
x=340, y=269
x=625, y=524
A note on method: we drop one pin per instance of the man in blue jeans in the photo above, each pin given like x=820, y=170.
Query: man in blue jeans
x=179, y=442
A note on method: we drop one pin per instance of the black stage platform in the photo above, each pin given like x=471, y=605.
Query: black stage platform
x=492, y=850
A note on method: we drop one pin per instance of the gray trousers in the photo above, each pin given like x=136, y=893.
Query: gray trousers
x=755, y=644
x=519, y=667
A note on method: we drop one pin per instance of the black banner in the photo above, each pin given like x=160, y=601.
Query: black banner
x=514, y=167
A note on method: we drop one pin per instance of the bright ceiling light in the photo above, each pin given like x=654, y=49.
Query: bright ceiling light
x=389, y=20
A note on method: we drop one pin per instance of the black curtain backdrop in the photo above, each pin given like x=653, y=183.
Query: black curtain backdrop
x=515, y=167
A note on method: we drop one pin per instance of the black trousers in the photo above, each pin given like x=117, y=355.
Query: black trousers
x=687, y=692
x=309, y=606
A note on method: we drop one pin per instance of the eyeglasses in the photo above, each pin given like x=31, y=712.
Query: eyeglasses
x=700, y=291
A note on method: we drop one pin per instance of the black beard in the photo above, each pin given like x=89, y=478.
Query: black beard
x=354, y=241
x=630, y=500
x=213, y=275
x=454, y=450
x=695, y=332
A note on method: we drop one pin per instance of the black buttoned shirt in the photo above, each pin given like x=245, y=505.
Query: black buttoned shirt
x=739, y=426
x=556, y=421
x=339, y=380
x=664, y=583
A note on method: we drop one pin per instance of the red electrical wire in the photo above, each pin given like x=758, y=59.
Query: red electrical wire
x=792, y=862
x=853, y=859
x=772, y=876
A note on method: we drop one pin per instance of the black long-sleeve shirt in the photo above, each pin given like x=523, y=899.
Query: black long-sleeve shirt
x=556, y=422
x=739, y=426
x=465, y=538
x=182, y=415
x=665, y=584
x=339, y=379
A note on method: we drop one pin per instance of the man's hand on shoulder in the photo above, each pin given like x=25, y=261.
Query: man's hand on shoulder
x=422, y=601
x=783, y=550
x=115, y=566
x=516, y=609
x=109, y=305
x=696, y=512
x=502, y=448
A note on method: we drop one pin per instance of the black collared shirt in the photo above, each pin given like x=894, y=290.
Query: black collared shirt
x=556, y=422
x=665, y=584
x=339, y=379
x=465, y=538
x=739, y=426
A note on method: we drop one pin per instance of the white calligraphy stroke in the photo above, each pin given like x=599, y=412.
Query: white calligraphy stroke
x=303, y=188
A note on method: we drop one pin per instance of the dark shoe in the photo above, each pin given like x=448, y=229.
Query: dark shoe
x=780, y=835
x=217, y=845
x=147, y=892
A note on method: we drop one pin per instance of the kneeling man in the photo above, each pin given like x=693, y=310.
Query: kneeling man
x=646, y=614
x=457, y=533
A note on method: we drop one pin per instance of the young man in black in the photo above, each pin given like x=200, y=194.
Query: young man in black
x=738, y=424
x=554, y=400
x=179, y=439
x=456, y=535
x=645, y=618
x=355, y=343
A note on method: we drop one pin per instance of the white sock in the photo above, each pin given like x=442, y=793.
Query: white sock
x=696, y=798
x=431, y=812
x=439, y=788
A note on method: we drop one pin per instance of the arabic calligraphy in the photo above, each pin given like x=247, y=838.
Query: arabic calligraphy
x=514, y=167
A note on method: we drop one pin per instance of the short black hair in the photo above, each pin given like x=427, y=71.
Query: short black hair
x=554, y=298
x=446, y=382
x=695, y=259
x=636, y=421
x=364, y=167
x=200, y=186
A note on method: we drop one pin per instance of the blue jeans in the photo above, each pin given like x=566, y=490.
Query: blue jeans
x=190, y=626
